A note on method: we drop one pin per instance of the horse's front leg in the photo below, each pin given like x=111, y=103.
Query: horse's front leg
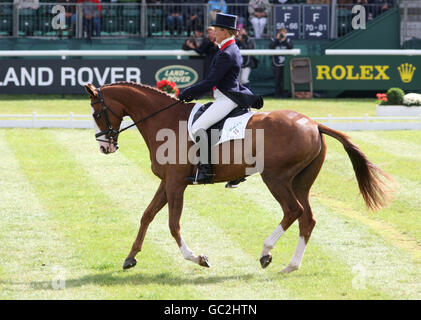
x=175, y=194
x=158, y=201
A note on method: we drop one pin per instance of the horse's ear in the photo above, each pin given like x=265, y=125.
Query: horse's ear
x=90, y=88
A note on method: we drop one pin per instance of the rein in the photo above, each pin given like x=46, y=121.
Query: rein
x=110, y=132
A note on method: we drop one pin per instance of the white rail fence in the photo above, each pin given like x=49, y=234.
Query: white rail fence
x=135, y=53
x=371, y=52
x=73, y=121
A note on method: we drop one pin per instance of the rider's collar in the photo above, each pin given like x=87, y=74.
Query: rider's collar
x=220, y=45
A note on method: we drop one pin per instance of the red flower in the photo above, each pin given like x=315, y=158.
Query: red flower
x=168, y=86
x=172, y=85
x=162, y=83
x=381, y=96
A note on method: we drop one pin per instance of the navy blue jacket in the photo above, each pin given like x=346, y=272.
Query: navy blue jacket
x=223, y=74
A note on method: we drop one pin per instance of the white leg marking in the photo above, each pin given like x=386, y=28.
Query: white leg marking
x=299, y=253
x=187, y=253
x=271, y=240
x=298, y=256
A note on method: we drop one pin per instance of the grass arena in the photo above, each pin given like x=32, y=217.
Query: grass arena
x=70, y=213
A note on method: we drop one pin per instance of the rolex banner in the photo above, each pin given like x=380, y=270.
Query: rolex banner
x=371, y=73
x=50, y=76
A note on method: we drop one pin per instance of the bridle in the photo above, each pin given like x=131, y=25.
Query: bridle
x=110, y=133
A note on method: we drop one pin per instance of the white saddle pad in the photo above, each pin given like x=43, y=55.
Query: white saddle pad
x=234, y=128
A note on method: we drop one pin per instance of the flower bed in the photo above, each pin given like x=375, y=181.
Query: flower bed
x=396, y=103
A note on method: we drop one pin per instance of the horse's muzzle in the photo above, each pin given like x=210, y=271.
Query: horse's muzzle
x=111, y=148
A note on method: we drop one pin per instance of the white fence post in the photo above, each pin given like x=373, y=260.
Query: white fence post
x=71, y=120
x=34, y=118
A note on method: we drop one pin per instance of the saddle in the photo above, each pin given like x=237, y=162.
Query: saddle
x=238, y=111
x=232, y=126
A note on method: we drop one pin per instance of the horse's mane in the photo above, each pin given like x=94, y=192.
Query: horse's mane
x=140, y=86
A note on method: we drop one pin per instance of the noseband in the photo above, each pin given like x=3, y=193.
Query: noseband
x=111, y=133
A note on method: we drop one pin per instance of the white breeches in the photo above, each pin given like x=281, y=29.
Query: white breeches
x=244, y=75
x=258, y=26
x=217, y=111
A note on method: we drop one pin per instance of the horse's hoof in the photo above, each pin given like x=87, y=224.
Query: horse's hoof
x=265, y=260
x=129, y=263
x=203, y=261
x=289, y=269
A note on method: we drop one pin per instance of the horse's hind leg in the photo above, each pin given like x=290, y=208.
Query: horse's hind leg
x=281, y=189
x=301, y=186
x=158, y=201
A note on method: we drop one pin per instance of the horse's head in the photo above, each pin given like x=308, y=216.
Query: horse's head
x=107, y=120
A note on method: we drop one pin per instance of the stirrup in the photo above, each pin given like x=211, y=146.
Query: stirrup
x=202, y=177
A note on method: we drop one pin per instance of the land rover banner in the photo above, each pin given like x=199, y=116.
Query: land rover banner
x=365, y=72
x=69, y=76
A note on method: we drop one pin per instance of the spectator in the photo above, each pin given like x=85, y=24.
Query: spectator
x=239, y=9
x=367, y=7
x=193, y=42
x=216, y=6
x=381, y=6
x=70, y=17
x=92, y=11
x=259, y=12
x=175, y=16
x=194, y=15
x=209, y=48
x=249, y=62
x=198, y=32
x=278, y=62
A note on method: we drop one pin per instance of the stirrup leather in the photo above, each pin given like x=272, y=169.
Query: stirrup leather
x=204, y=175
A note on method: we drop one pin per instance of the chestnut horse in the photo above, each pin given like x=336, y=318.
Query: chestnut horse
x=294, y=153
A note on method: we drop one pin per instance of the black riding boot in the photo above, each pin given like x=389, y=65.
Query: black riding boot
x=204, y=172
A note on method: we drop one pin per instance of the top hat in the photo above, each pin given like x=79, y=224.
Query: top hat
x=227, y=21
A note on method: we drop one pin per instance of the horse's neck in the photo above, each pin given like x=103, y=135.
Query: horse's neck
x=147, y=105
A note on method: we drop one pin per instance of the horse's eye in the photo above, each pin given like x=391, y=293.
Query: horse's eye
x=97, y=116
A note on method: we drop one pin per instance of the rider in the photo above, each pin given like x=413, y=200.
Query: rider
x=228, y=93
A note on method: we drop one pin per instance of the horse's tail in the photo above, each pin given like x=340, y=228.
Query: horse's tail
x=374, y=189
